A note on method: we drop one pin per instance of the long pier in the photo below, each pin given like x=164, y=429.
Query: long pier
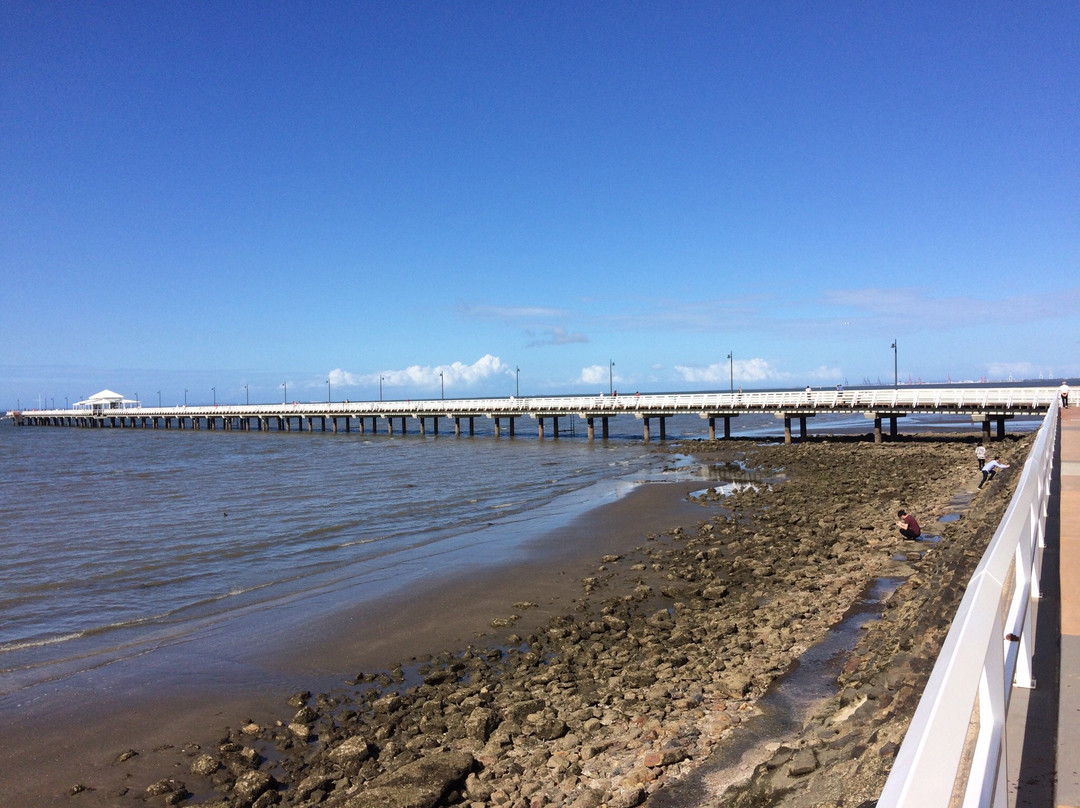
x=991, y=407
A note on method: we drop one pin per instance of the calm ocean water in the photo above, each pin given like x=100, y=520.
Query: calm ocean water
x=113, y=538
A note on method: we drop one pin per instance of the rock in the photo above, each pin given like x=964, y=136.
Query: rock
x=309, y=785
x=123, y=756
x=480, y=724
x=663, y=757
x=626, y=798
x=301, y=731
x=250, y=785
x=421, y=784
x=173, y=791
x=715, y=592
x=351, y=752
x=205, y=765
x=518, y=711
x=165, y=786
x=804, y=762
x=549, y=729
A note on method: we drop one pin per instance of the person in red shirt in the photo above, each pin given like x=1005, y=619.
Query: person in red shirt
x=909, y=528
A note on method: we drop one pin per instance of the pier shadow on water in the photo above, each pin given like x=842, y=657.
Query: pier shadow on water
x=779, y=714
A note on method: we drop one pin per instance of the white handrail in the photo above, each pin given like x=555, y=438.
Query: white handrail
x=987, y=651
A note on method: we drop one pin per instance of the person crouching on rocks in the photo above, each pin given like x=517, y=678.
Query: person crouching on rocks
x=909, y=528
x=990, y=469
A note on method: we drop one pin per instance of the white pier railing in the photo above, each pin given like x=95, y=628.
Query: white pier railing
x=954, y=750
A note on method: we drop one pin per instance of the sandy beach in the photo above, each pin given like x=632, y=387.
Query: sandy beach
x=611, y=667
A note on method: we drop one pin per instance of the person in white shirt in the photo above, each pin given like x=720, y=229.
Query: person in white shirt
x=990, y=469
x=1064, y=392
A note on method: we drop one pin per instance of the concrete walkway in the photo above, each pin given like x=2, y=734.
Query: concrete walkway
x=1043, y=726
x=1068, y=719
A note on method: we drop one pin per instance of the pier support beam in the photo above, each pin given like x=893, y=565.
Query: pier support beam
x=498, y=433
x=787, y=416
x=590, y=428
x=645, y=430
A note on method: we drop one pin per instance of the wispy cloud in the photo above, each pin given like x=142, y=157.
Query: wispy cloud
x=555, y=336
x=952, y=310
x=512, y=313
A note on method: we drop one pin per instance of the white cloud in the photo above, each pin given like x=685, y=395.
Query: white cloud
x=745, y=371
x=342, y=378
x=597, y=374
x=825, y=373
x=1012, y=370
x=456, y=374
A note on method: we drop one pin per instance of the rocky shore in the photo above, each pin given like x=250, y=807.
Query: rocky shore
x=637, y=694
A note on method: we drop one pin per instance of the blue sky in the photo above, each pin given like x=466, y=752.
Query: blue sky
x=201, y=196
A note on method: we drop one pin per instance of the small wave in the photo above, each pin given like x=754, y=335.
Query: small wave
x=22, y=645
x=119, y=625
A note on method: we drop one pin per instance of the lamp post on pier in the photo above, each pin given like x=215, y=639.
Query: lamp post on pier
x=380, y=386
x=215, y=395
x=327, y=391
x=895, y=374
x=731, y=372
x=285, y=400
x=611, y=377
x=517, y=382
x=159, y=399
x=247, y=398
x=185, y=396
x=442, y=385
